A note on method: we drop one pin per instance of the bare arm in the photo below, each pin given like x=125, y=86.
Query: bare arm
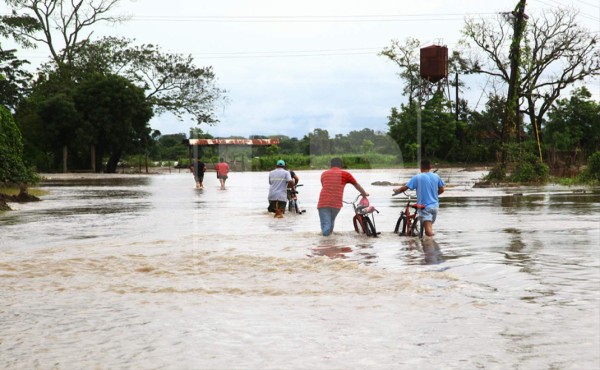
x=441, y=190
x=401, y=189
x=360, y=189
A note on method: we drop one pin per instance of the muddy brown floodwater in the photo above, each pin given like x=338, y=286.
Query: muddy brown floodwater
x=146, y=272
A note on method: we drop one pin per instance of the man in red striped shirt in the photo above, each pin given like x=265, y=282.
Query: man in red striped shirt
x=333, y=182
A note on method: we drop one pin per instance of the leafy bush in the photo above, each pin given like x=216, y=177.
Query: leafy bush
x=592, y=171
x=529, y=169
x=13, y=170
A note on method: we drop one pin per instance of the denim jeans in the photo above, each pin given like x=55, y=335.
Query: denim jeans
x=327, y=217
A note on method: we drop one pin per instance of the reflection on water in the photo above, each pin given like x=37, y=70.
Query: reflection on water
x=362, y=252
x=147, y=271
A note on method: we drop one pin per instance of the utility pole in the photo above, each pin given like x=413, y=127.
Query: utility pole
x=512, y=109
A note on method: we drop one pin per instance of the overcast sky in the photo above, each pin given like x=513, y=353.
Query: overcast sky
x=290, y=67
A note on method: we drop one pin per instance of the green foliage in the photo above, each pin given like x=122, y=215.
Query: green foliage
x=574, y=123
x=170, y=147
x=118, y=113
x=103, y=111
x=14, y=79
x=172, y=83
x=318, y=142
x=530, y=172
x=496, y=174
x=300, y=161
x=13, y=170
x=438, y=129
x=524, y=164
x=527, y=165
x=592, y=171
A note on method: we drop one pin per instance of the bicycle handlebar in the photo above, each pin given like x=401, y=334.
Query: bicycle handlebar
x=355, y=200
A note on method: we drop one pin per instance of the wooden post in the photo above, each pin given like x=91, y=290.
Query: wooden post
x=93, y=156
x=65, y=153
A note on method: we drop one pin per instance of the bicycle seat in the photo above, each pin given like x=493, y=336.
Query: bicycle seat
x=417, y=206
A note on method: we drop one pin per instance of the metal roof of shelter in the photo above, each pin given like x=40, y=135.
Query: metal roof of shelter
x=250, y=142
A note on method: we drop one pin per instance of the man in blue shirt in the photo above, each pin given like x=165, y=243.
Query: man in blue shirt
x=428, y=186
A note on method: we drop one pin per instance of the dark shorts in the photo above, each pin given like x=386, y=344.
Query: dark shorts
x=199, y=178
x=224, y=177
x=276, y=204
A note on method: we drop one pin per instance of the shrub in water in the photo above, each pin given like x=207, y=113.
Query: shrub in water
x=592, y=171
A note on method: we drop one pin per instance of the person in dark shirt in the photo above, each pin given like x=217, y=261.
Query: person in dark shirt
x=198, y=169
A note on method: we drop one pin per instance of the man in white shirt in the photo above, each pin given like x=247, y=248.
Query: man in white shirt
x=279, y=179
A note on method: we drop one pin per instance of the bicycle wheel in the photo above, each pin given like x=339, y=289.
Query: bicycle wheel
x=359, y=224
x=401, y=224
x=416, y=228
x=369, y=227
x=398, y=223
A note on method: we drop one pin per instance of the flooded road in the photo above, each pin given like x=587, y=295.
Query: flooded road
x=146, y=272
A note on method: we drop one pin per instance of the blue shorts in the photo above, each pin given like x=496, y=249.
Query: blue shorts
x=429, y=214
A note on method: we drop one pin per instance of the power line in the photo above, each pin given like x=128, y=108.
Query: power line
x=291, y=53
x=307, y=19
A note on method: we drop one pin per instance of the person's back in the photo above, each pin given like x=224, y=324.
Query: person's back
x=222, y=169
x=333, y=182
x=279, y=181
x=426, y=185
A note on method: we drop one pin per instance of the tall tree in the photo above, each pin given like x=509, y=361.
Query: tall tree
x=64, y=23
x=171, y=81
x=406, y=57
x=557, y=53
x=318, y=142
x=438, y=126
x=118, y=114
x=13, y=170
x=16, y=79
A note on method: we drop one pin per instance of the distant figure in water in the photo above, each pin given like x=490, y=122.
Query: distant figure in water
x=198, y=168
x=222, y=169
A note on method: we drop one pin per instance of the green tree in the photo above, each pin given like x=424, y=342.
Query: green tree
x=63, y=23
x=438, y=129
x=483, y=132
x=574, y=123
x=171, y=147
x=552, y=38
x=50, y=122
x=317, y=142
x=118, y=114
x=172, y=83
x=405, y=56
x=16, y=80
x=13, y=170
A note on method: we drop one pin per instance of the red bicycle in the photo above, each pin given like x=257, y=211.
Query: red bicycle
x=410, y=224
x=363, y=220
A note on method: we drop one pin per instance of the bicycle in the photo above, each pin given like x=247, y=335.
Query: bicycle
x=410, y=224
x=363, y=220
x=293, y=205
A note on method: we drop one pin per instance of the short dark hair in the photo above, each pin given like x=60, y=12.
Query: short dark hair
x=221, y=159
x=425, y=164
x=337, y=162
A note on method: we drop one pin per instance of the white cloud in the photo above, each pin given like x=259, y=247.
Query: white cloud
x=297, y=66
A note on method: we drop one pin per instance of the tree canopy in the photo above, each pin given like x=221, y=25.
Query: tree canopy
x=13, y=170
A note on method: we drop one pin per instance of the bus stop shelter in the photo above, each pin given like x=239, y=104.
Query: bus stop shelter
x=195, y=144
